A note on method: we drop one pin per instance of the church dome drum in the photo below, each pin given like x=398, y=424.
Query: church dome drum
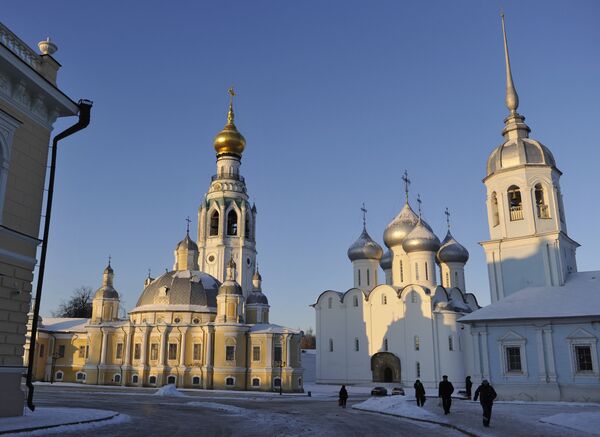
x=452, y=251
x=400, y=226
x=386, y=260
x=365, y=248
x=182, y=287
x=421, y=239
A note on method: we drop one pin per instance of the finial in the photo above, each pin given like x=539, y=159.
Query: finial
x=149, y=273
x=406, y=184
x=230, y=114
x=447, y=217
x=512, y=99
x=419, y=201
x=188, y=225
x=47, y=47
x=109, y=259
x=364, y=212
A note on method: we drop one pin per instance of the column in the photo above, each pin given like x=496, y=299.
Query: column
x=163, y=347
x=550, y=356
x=182, y=345
x=486, y=361
x=128, y=345
x=288, y=351
x=476, y=355
x=104, y=346
x=144, y=354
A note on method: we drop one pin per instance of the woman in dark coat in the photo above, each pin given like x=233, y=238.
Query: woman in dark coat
x=419, y=393
x=468, y=386
x=486, y=394
x=343, y=396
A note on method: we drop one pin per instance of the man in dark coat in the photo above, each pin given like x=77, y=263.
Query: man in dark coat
x=445, y=391
x=468, y=386
x=343, y=396
x=419, y=393
x=486, y=394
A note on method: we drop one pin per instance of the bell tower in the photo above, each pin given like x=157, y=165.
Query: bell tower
x=529, y=244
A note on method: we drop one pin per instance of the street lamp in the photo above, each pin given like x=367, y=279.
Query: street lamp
x=281, y=365
x=55, y=356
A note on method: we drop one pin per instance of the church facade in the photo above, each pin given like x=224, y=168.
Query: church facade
x=205, y=324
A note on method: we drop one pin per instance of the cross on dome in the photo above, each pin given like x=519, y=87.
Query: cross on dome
x=188, y=224
x=406, y=184
x=419, y=201
x=447, y=217
x=364, y=212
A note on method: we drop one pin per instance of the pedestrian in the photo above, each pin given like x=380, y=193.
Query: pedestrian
x=486, y=394
x=468, y=386
x=445, y=391
x=419, y=393
x=343, y=396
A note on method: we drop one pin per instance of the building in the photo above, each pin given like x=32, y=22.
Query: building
x=538, y=339
x=30, y=103
x=205, y=324
x=405, y=328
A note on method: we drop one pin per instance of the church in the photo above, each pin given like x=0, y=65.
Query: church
x=205, y=324
x=538, y=338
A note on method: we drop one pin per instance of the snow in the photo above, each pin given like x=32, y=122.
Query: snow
x=169, y=390
x=396, y=405
x=174, y=307
x=220, y=407
x=64, y=324
x=271, y=328
x=579, y=297
x=585, y=422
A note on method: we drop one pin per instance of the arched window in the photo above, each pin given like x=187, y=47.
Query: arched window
x=277, y=382
x=135, y=379
x=385, y=344
x=540, y=202
x=456, y=279
x=416, y=271
x=329, y=303
x=214, y=224
x=426, y=271
x=59, y=376
x=255, y=382
x=171, y=379
x=230, y=381
x=355, y=301
x=450, y=343
x=330, y=345
x=152, y=380
x=495, y=213
x=232, y=224
x=247, y=228
x=117, y=378
x=401, y=272
x=447, y=279
x=356, y=345
x=383, y=299
x=417, y=343
x=358, y=277
x=196, y=380
x=80, y=377
x=418, y=369
x=368, y=277
x=515, y=203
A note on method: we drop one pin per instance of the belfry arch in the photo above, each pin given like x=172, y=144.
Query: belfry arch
x=385, y=367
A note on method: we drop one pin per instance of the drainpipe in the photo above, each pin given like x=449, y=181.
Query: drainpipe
x=85, y=107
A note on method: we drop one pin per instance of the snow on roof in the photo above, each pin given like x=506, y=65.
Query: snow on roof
x=275, y=329
x=174, y=307
x=579, y=297
x=66, y=324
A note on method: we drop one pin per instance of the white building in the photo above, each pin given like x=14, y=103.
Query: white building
x=538, y=339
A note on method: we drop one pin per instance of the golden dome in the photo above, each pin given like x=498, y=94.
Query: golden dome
x=230, y=140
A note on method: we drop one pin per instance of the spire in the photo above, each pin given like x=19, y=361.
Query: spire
x=230, y=114
x=108, y=274
x=512, y=99
x=364, y=213
x=406, y=184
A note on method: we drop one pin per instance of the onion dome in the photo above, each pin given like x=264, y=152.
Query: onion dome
x=181, y=287
x=386, y=260
x=187, y=243
x=230, y=286
x=257, y=297
x=230, y=140
x=451, y=251
x=107, y=290
x=365, y=248
x=421, y=239
x=400, y=226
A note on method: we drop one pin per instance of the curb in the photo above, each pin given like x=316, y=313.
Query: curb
x=37, y=428
x=444, y=424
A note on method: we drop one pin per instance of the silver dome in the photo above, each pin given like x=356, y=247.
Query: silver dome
x=182, y=287
x=421, y=239
x=365, y=248
x=400, y=226
x=519, y=151
x=256, y=297
x=386, y=260
x=230, y=287
x=452, y=251
x=187, y=243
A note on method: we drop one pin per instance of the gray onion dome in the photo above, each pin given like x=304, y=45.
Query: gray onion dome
x=421, y=239
x=386, y=260
x=257, y=297
x=400, y=226
x=365, y=248
x=230, y=287
x=452, y=251
x=187, y=243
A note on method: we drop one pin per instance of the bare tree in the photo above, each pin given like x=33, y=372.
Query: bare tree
x=78, y=305
x=309, y=340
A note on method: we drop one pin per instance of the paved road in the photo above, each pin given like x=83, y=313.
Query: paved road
x=230, y=414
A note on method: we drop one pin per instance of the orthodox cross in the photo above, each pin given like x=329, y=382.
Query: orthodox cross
x=109, y=258
x=406, y=184
x=447, y=217
x=419, y=201
x=149, y=273
x=364, y=212
x=188, y=224
x=230, y=115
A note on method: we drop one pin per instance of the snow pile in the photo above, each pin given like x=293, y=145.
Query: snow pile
x=169, y=390
x=588, y=423
x=396, y=405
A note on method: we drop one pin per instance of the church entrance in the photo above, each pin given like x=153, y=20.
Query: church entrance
x=385, y=367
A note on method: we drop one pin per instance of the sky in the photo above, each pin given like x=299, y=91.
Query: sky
x=335, y=99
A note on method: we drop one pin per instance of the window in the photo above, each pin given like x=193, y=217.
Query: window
x=416, y=271
x=456, y=279
x=355, y=301
x=171, y=379
x=119, y=351
x=61, y=351
x=513, y=359
x=154, y=351
x=256, y=353
x=58, y=376
x=247, y=229
x=540, y=202
x=172, y=351
x=329, y=303
x=495, y=213
x=583, y=358
x=229, y=381
x=401, y=272
x=447, y=279
x=255, y=382
x=418, y=369
x=383, y=299
x=417, y=343
x=368, y=277
x=515, y=203
x=214, y=224
x=197, y=352
x=81, y=352
x=230, y=353
x=277, y=382
x=385, y=344
x=299, y=382
x=356, y=345
x=277, y=355
x=196, y=380
x=152, y=380
x=42, y=350
x=330, y=345
x=137, y=351
x=117, y=378
x=232, y=225
x=135, y=379
x=80, y=376
x=450, y=343
x=358, y=272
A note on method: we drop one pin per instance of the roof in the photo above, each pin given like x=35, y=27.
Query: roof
x=273, y=329
x=64, y=324
x=182, y=287
x=579, y=297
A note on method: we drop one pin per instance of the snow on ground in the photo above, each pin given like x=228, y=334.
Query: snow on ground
x=219, y=407
x=168, y=390
x=397, y=405
x=584, y=422
x=82, y=428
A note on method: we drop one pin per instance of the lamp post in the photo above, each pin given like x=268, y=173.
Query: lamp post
x=55, y=356
x=281, y=365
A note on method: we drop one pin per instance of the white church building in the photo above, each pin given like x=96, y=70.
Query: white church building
x=538, y=338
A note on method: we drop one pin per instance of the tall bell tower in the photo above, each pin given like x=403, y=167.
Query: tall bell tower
x=226, y=220
x=529, y=244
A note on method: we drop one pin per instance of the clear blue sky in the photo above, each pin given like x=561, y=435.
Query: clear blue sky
x=335, y=100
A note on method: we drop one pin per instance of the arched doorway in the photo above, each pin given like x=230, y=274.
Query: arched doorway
x=385, y=367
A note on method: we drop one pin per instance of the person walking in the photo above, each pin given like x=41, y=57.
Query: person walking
x=419, y=393
x=445, y=391
x=468, y=386
x=343, y=396
x=486, y=394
